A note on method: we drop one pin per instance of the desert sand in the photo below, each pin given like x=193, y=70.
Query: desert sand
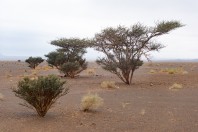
x=148, y=105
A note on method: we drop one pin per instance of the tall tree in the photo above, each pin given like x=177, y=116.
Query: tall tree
x=124, y=47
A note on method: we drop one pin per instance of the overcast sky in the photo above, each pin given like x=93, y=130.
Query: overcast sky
x=28, y=26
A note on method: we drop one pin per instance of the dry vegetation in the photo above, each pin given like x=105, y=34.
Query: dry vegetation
x=169, y=71
x=176, y=86
x=91, y=71
x=174, y=71
x=109, y=84
x=91, y=101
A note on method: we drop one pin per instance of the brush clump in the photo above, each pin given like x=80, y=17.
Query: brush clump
x=91, y=71
x=109, y=84
x=176, y=86
x=91, y=101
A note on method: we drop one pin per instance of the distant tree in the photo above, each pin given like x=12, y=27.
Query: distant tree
x=124, y=47
x=34, y=61
x=69, y=57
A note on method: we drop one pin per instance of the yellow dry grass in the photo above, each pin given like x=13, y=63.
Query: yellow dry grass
x=91, y=71
x=152, y=71
x=174, y=71
x=8, y=75
x=125, y=104
x=91, y=101
x=142, y=112
x=109, y=84
x=176, y=86
x=46, y=68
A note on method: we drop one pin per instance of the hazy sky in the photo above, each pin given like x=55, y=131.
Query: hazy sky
x=28, y=26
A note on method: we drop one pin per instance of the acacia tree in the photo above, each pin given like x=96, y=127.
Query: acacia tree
x=124, y=47
x=68, y=58
x=34, y=61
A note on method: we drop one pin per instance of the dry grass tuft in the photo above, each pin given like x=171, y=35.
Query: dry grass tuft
x=46, y=68
x=176, y=86
x=34, y=73
x=184, y=72
x=1, y=96
x=152, y=71
x=125, y=104
x=8, y=75
x=109, y=84
x=174, y=71
x=91, y=101
x=91, y=72
x=142, y=112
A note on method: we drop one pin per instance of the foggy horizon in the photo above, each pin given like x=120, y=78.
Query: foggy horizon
x=27, y=27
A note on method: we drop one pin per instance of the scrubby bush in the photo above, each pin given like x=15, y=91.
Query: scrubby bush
x=124, y=47
x=40, y=93
x=69, y=57
x=34, y=61
x=91, y=101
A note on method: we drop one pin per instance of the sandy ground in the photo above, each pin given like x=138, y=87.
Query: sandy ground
x=146, y=106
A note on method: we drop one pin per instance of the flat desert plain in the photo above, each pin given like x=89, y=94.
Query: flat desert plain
x=153, y=103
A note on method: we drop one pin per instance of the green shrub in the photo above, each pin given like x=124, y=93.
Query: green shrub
x=40, y=93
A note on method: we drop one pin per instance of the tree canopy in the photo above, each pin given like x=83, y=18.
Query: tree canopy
x=68, y=58
x=34, y=61
x=124, y=47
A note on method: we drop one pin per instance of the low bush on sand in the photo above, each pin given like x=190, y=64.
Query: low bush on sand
x=91, y=101
x=40, y=93
x=108, y=84
x=176, y=86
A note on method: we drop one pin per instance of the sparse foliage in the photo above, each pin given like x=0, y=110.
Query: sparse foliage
x=40, y=93
x=69, y=57
x=124, y=47
x=91, y=101
x=34, y=61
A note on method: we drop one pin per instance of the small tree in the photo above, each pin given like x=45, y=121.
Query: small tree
x=40, y=93
x=69, y=57
x=34, y=61
x=125, y=47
